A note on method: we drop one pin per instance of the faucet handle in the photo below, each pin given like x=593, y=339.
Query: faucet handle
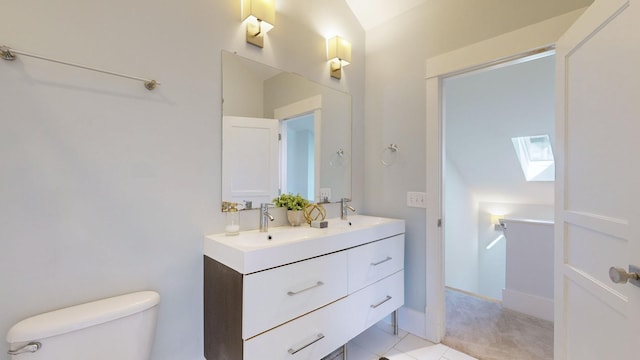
x=345, y=200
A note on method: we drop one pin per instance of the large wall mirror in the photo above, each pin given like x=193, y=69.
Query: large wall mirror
x=282, y=134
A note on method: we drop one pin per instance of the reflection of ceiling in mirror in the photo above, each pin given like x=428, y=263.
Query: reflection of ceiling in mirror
x=261, y=71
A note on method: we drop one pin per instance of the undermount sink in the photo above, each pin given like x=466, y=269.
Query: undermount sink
x=252, y=251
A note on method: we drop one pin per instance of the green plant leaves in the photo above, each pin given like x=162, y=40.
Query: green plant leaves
x=291, y=202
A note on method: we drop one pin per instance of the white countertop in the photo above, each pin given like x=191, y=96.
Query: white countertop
x=252, y=251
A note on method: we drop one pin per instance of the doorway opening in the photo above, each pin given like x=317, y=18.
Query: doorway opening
x=483, y=177
x=300, y=139
x=496, y=165
x=297, y=155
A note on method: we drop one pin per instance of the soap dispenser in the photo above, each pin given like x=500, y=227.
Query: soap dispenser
x=232, y=226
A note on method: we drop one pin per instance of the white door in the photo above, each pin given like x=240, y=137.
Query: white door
x=598, y=183
x=250, y=147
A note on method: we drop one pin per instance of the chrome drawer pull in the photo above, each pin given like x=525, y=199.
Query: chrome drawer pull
x=381, y=302
x=318, y=338
x=381, y=261
x=291, y=293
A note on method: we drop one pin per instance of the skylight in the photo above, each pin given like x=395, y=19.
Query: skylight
x=536, y=157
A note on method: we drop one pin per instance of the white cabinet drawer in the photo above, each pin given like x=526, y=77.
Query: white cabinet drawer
x=373, y=303
x=275, y=296
x=310, y=337
x=374, y=261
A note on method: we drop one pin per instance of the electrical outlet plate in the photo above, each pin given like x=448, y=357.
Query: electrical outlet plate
x=416, y=199
x=325, y=193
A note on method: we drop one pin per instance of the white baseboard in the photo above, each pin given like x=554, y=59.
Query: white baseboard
x=533, y=305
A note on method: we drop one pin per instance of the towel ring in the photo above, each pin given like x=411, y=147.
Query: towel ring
x=389, y=155
x=339, y=158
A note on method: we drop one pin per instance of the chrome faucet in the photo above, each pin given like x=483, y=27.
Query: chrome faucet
x=264, y=215
x=345, y=206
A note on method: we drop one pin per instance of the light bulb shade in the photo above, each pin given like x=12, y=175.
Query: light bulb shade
x=263, y=10
x=260, y=17
x=339, y=55
x=339, y=49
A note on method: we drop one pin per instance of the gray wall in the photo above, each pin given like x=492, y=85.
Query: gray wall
x=106, y=188
x=461, y=232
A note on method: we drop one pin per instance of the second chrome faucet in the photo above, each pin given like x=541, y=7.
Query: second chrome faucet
x=265, y=217
x=344, y=206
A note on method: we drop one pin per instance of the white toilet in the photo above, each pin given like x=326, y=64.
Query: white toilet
x=121, y=327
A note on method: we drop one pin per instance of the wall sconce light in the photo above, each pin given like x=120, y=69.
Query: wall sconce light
x=338, y=54
x=496, y=221
x=260, y=16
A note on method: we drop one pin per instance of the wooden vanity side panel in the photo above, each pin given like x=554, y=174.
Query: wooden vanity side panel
x=222, y=312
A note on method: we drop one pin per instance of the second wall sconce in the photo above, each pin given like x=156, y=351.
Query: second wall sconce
x=260, y=17
x=338, y=54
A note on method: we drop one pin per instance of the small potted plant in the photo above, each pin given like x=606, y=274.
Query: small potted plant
x=295, y=205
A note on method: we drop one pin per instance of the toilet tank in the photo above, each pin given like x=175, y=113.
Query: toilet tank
x=121, y=327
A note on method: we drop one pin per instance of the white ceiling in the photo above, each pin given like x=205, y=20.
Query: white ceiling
x=371, y=13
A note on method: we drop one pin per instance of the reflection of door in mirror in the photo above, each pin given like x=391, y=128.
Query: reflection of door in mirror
x=298, y=156
x=250, y=161
x=300, y=149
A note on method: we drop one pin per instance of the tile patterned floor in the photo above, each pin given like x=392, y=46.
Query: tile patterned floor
x=379, y=341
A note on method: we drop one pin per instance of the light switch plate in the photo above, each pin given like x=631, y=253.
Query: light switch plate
x=416, y=199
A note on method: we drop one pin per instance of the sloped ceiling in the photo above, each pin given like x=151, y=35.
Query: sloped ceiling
x=371, y=13
x=483, y=111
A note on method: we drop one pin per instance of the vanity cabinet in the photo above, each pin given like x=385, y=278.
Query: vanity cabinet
x=302, y=309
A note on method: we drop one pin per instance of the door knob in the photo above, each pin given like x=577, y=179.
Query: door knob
x=620, y=276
